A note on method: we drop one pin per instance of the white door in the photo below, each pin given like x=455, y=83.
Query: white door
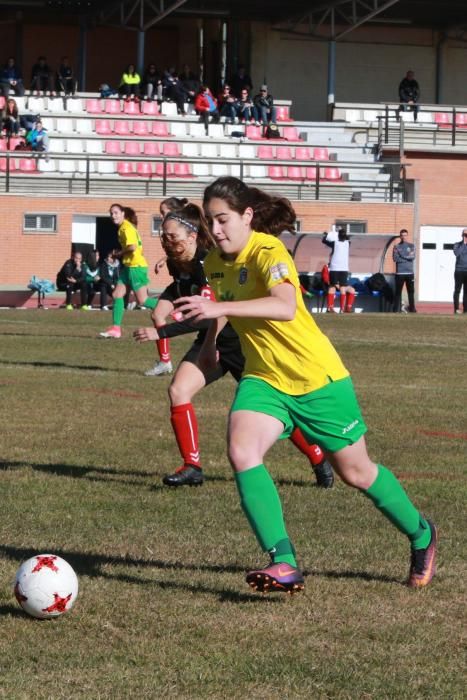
x=436, y=268
x=83, y=230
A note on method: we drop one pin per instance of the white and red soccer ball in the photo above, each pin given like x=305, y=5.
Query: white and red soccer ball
x=46, y=586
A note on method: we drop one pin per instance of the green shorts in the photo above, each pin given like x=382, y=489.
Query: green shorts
x=133, y=277
x=329, y=417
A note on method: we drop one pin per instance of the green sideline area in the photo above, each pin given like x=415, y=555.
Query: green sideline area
x=163, y=609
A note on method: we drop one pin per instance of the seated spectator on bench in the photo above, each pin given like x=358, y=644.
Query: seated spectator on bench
x=66, y=81
x=240, y=80
x=108, y=278
x=38, y=138
x=129, y=87
x=11, y=79
x=11, y=119
x=409, y=95
x=246, y=110
x=91, y=273
x=206, y=106
x=175, y=91
x=264, y=103
x=190, y=82
x=42, y=77
x=152, y=84
x=227, y=105
x=70, y=278
x=339, y=243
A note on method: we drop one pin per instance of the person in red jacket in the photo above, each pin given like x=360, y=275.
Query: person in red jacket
x=206, y=106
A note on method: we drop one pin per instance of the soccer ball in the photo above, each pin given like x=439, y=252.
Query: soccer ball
x=46, y=586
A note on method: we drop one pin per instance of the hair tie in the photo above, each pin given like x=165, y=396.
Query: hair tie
x=182, y=221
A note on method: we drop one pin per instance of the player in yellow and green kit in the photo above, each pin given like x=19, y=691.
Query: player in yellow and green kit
x=134, y=269
x=293, y=377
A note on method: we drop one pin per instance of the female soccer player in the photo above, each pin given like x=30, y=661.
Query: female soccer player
x=293, y=378
x=186, y=240
x=339, y=243
x=134, y=269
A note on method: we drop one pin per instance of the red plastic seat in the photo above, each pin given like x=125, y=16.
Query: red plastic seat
x=182, y=170
x=284, y=153
x=93, y=106
x=160, y=129
x=123, y=127
x=310, y=173
x=125, y=169
x=112, y=106
x=443, y=119
x=141, y=128
x=113, y=148
x=290, y=133
x=266, y=152
x=276, y=172
x=159, y=171
x=3, y=144
x=132, y=148
x=144, y=169
x=254, y=132
x=131, y=108
x=171, y=150
x=27, y=165
x=332, y=174
x=14, y=141
x=461, y=120
x=303, y=153
x=3, y=164
x=320, y=154
x=150, y=108
x=282, y=113
x=103, y=127
x=295, y=172
x=151, y=148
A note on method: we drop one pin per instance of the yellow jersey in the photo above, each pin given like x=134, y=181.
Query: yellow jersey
x=128, y=235
x=293, y=356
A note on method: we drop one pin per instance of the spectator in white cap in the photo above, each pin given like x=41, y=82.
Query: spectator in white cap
x=264, y=103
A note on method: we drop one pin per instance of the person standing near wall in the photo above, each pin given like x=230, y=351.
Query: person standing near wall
x=460, y=272
x=403, y=255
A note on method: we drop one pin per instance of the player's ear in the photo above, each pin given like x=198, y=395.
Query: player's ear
x=248, y=215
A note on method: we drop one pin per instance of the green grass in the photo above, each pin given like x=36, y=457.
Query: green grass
x=163, y=609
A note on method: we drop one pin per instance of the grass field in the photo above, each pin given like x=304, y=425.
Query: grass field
x=163, y=610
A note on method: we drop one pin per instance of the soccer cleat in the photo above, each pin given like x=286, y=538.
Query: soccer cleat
x=69, y=307
x=105, y=308
x=423, y=562
x=324, y=475
x=112, y=332
x=276, y=577
x=187, y=475
x=85, y=307
x=159, y=369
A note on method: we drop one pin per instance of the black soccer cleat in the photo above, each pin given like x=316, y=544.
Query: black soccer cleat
x=187, y=475
x=324, y=475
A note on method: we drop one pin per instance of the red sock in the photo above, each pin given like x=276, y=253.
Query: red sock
x=342, y=301
x=185, y=427
x=330, y=300
x=313, y=452
x=350, y=300
x=163, y=347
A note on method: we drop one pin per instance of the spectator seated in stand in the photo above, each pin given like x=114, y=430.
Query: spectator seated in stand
x=130, y=82
x=38, y=138
x=239, y=80
x=91, y=272
x=66, y=81
x=11, y=79
x=206, y=106
x=409, y=95
x=108, y=276
x=152, y=84
x=11, y=119
x=227, y=105
x=264, y=103
x=70, y=278
x=175, y=91
x=42, y=78
x=246, y=110
x=190, y=82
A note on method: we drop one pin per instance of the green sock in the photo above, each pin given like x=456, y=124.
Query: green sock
x=261, y=505
x=150, y=302
x=389, y=497
x=118, y=311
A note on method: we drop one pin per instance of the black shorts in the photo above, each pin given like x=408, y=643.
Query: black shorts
x=230, y=356
x=337, y=278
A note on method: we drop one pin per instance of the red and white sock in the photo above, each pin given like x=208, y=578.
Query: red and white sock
x=313, y=452
x=163, y=347
x=185, y=427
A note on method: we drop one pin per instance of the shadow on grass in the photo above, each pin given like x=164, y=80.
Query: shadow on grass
x=359, y=575
x=90, y=565
x=54, y=365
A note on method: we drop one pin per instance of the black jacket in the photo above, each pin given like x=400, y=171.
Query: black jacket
x=68, y=269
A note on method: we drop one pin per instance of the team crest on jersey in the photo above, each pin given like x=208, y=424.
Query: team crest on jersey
x=243, y=275
x=279, y=271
